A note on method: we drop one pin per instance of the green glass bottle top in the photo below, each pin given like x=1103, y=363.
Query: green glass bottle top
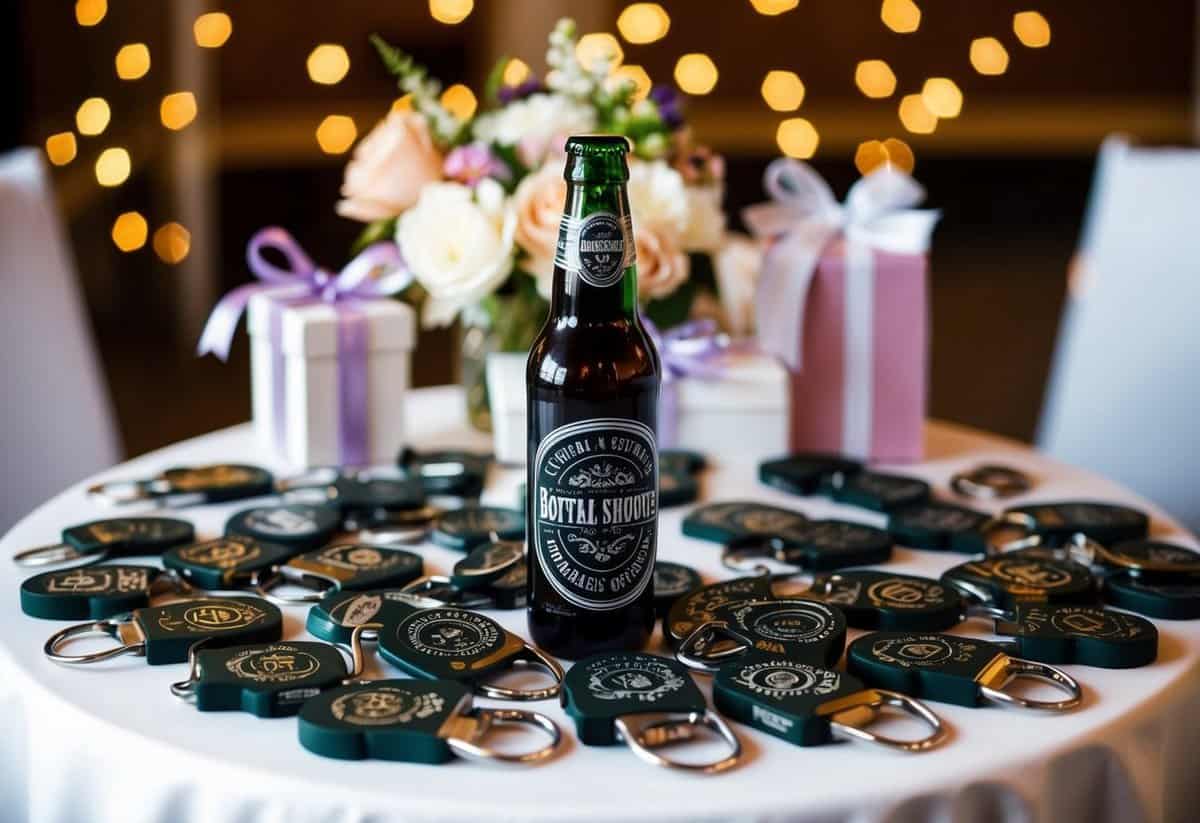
x=596, y=158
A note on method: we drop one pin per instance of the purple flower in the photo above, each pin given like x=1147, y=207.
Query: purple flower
x=507, y=94
x=664, y=95
x=471, y=163
x=668, y=103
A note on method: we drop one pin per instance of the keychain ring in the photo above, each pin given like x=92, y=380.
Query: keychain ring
x=990, y=482
x=389, y=535
x=108, y=628
x=507, y=717
x=47, y=555
x=691, y=651
x=185, y=689
x=1009, y=520
x=120, y=492
x=1018, y=667
x=263, y=587
x=662, y=728
x=536, y=659
x=915, y=708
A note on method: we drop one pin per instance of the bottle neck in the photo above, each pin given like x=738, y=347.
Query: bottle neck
x=595, y=272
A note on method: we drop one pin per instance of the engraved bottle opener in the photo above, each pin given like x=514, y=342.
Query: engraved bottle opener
x=298, y=526
x=671, y=582
x=488, y=563
x=1176, y=598
x=94, y=592
x=464, y=529
x=798, y=629
x=225, y=563
x=446, y=472
x=940, y=526
x=1086, y=635
x=1003, y=580
x=876, y=491
x=351, y=566
x=362, y=498
x=806, y=473
x=111, y=539
x=189, y=486
x=340, y=612
x=700, y=605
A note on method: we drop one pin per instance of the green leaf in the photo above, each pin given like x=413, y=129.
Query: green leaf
x=674, y=308
x=373, y=233
x=495, y=79
x=395, y=61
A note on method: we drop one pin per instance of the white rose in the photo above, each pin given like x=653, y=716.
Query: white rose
x=737, y=265
x=458, y=244
x=537, y=117
x=658, y=197
x=706, y=220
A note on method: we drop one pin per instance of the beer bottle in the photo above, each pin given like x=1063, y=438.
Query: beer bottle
x=592, y=382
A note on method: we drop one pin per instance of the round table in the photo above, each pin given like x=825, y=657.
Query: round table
x=109, y=742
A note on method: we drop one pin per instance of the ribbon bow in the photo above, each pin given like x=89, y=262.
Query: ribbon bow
x=804, y=217
x=687, y=350
x=354, y=282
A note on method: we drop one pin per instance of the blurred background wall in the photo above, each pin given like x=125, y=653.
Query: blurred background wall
x=222, y=132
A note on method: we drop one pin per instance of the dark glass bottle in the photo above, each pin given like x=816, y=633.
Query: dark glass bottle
x=592, y=382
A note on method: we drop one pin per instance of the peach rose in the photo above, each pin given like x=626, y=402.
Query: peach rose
x=389, y=168
x=538, y=202
x=662, y=266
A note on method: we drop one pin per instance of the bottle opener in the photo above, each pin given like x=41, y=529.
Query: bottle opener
x=808, y=705
x=225, y=563
x=111, y=539
x=189, y=486
x=340, y=612
x=1106, y=523
x=447, y=472
x=990, y=481
x=681, y=461
x=441, y=589
x=876, y=491
x=360, y=497
x=488, y=563
x=939, y=527
x=1006, y=579
x=298, y=526
x=1147, y=559
x=798, y=629
x=464, y=529
x=806, y=473
x=676, y=489
x=164, y=634
x=700, y=605
x=743, y=521
x=671, y=582
x=1087, y=635
x=93, y=592
x=886, y=600
x=643, y=701
x=1175, y=599
x=824, y=545
x=349, y=566
x=950, y=669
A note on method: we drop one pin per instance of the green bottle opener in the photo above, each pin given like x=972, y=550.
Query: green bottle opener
x=350, y=566
x=94, y=592
x=225, y=563
x=189, y=486
x=298, y=526
x=795, y=628
x=1086, y=635
x=111, y=539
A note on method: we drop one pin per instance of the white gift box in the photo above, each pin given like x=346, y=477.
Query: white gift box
x=739, y=417
x=300, y=365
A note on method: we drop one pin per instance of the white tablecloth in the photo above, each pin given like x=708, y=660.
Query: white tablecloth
x=109, y=742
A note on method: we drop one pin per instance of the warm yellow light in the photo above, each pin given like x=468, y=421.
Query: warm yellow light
x=92, y=116
x=516, y=72
x=988, y=56
x=328, y=64
x=403, y=104
x=451, y=12
x=1032, y=29
x=598, y=47
x=942, y=97
x=212, y=30
x=336, y=134
x=178, y=110
x=60, y=148
x=872, y=154
x=644, y=23
x=915, y=116
x=901, y=16
x=460, y=101
x=696, y=73
x=112, y=167
x=129, y=231
x=899, y=154
x=875, y=79
x=783, y=90
x=773, y=7
x=636, y=75
x=172, y=243
x=797, y=138
x=90, y=12
x=133, y=61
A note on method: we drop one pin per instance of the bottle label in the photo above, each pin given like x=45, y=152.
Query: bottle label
x=598, y=247
x=595, y=518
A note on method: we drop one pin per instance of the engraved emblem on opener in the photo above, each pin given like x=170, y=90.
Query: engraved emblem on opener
x=278, y=663
x=627, y=678
x=385, y=706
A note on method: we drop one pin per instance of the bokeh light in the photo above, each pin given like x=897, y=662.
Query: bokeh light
x=516, y=72
x=900, y=154
x=61, y=148
x=133, y=61
x=451, y=12
x=177, y=110
x=172, y=242
x=916, y=116
x=783, y=90
x=113, y=167
x=988, y=56
x=1032, y=29
x=637, y=74
x=871, y=154
x=643, y=23
x=901, y=16
x=460, y=101
x=797, y=138
x=212, y=30
x=773, y=7
x=942, y=97
x=403, y=103
x=129, y=231
x=92, y=116
x=875, y=79
x=327, y=64
x=696, y=73
x=90, y=12
x=336, y=134
x=599, y=47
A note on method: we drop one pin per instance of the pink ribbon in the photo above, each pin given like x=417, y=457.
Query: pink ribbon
x=344, y=291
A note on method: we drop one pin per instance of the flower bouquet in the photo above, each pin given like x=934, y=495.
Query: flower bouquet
x=474, y=204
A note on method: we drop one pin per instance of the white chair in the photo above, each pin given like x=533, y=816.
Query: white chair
x=1124, y=392
x=56, y=422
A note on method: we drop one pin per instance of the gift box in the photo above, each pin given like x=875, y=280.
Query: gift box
x=736, y=412
x=843, y=302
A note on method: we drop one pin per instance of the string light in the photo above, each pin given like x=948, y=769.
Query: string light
x=639, y=77
x=172, y=242
x=901, y=16
x=328, y=64
x=942, y=97
x=451, y=12
x=403, y=104
x=61, y=148
x=643, y=23
x=212, y=30
x=797, y=138
x=1032, y=29
x=516, y=72
x=178, y=110
x=133, y=61
x=336, y=134
x=598, y=47
x=875, y=79
x=112, y=167
x=872, y=154
x=770, y=8
x=988, y=56
x=129, y=231
x=783, y=90
x=90, y=12
x=460, y=101
x=915, y=116
x=92, y=116
x=696, y=73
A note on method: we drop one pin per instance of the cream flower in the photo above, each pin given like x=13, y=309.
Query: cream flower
x=662, y=266
x=737, y=265
x=538, y=202
x=538, y=117
x=458, y=244
x=657, y=196
x=388, y=168
x=706, y=220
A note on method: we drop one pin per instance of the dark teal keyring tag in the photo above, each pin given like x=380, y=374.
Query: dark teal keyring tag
x=1022, y=576
x=876, y=491
x=440, y=588
x=111, y=539
x=700, y=605
x=676, y=489
x=1085, y=635
x=940, y=526
x=94, y=592
x=488, y=563
x=744, y=521
x=798, y=629
x=446, y=472
x=671, y=582
x=1146, y=559
x=1177, y=598
x=805, y=473
x=225, y=563
x=266, y=679
x=951, y=669
x=644, y=701
x=464, y=529
x=298, y=526
x=822, y=546
x=164, y=634
x=340, y=612
x=1107, y=523
x=448, y=643
x=414, y=721
x=189, y=485
x=362, y=498
x=348, y=566
x=885, y=600
x=810, y=705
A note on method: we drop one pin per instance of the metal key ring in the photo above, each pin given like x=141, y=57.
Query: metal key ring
x=644, y=733
x=50, y=554
x=109, y=628
x=388, y=535
x=487, y=718
x=121, y=492
x=185, y=689
x=286, y=574
x=881, y=698
x=423, y=584
x=990, y=482
x=1009, y=520
x=534, y=658
x=695, y=649
x=1018, y=667
x=316, y=476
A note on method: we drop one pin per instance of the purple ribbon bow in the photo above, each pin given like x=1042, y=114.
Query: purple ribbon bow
x=687, y=350
x=354, y=284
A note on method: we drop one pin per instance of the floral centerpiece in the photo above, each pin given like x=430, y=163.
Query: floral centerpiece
x=474, y=204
